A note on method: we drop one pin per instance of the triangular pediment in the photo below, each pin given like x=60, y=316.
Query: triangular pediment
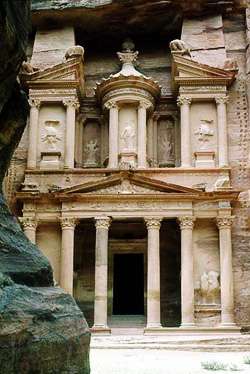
x=186, y=70
x=68, y=74
x=127, y=183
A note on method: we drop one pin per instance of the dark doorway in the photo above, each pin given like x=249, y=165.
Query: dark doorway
x=128, y=284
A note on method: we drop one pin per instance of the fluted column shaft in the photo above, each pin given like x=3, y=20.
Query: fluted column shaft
x=187, y=271
x=29, y=225
x=226, y=271
x=71, y=106
x=113, y=133
x=67, y=254
x=222, y=129
x=153, y=286
x=33, y=132
x=142, y=134
x=184, y=104
x=101, y=273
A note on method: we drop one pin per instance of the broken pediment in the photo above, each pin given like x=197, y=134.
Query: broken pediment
x=67, y=75
x=189, y=72
x=127, y=183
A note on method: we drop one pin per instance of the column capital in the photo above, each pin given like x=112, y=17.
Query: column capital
x=182, y=100
x=29, y=222
x=153, y=222
x=144, y=104
x=71, y=102
x=102, y=222
x=224, y=222
x=111, y=104
x=186, y=222
x=33, y=103
x=68, y=222
x=156, y=116
x=222, y=100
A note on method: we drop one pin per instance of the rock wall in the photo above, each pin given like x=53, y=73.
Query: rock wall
x=42, y=329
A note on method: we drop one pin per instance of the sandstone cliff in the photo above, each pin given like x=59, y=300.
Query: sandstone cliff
x=41, y=328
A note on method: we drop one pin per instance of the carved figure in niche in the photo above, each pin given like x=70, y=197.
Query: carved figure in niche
x=128, y=136
x=180, y=46
x=91, y=150
x=51, y=136
x=167, y=145
x=204, y=132
x=209, y=286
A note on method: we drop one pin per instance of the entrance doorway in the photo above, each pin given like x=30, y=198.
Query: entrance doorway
x=128, y=284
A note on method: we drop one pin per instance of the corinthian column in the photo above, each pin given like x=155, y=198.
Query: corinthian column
x=184, y=104
x=101, y=275
x=29, y=225
x=67, y=254
x=113, y=134
x=221, y=102
x=187, y=271
x=226, y=271
x=33, y=131
x=71, y=106
x=153, y=289
x=142, y=134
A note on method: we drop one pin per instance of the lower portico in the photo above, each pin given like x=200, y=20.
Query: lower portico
x=163, y=223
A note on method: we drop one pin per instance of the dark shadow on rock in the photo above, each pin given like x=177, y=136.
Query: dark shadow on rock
x=42, y=330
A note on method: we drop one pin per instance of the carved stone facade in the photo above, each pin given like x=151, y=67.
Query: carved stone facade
x=141, y=162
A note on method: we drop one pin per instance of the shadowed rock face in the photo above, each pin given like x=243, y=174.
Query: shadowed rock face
x=42, y=330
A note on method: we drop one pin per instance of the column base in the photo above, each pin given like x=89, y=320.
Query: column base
x=232, y=324
x=188, y=326
x=152, y=328
x=141, y=167
x=100, y=330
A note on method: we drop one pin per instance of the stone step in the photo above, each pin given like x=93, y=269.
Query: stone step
x=127, y=321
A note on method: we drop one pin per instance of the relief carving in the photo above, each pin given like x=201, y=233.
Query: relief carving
x=166, y=143
x=128, y=137
x=51, y=136
x=91, y=149
x=209, y=287
x=204, y=132
x=125, y=188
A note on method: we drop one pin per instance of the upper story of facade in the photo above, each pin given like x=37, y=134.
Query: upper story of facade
x=169, y=104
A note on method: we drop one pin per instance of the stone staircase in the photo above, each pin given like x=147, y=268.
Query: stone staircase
x=127, y=324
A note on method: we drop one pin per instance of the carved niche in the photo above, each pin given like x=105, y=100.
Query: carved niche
x=166, y=142
x=92, y=144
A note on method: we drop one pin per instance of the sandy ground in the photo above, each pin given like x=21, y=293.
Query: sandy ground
x=153, y=361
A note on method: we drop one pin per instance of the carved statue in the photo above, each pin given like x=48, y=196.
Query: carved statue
x=91, y=150
x=204, y=132
x=209, y=286
x=222, y=183
x=179, y=46
x=168, y=145
x=51, y=136
x=74, y=51
x=128, y=136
